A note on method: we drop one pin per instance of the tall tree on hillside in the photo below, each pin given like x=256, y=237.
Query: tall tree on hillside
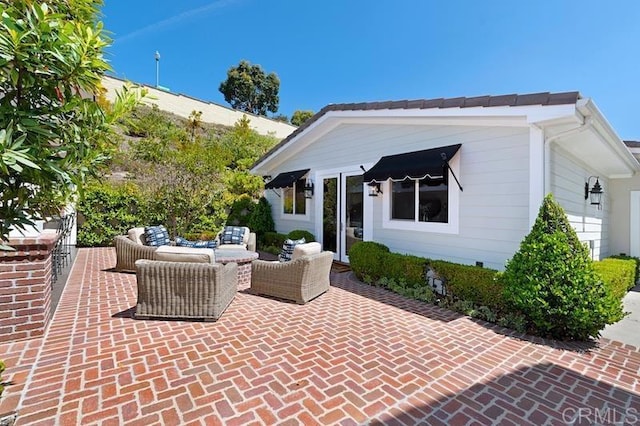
x=300, y=116
x=248, y=88
x=53, y=134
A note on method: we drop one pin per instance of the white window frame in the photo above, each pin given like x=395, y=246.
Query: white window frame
x=292, y=216
x=451, y=227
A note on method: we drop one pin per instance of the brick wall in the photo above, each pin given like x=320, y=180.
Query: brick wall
x=25, y=287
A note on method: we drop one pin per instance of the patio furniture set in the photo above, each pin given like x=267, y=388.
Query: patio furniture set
x=200, y=283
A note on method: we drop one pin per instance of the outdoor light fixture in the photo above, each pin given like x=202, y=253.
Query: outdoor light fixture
x=374, y=189
x=595, y=193
x=308, y=189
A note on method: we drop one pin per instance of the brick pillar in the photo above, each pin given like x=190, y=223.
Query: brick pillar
x=25, y=287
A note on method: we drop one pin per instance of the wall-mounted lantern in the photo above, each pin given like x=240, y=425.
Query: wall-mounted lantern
x=308, y=189
x=374, y=189
x=595, y=193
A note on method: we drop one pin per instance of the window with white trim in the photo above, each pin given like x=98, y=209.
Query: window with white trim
x=420, y=200
x=293, y=200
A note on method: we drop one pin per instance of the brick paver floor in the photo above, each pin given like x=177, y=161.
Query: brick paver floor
x=355, y=355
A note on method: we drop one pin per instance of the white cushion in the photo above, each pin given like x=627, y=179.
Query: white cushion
x=137, y=235
x=245, y=236
x=232, y=247
x=185, y=254
x=306, y=249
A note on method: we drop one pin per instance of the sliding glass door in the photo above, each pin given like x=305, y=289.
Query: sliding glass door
x=342, y=213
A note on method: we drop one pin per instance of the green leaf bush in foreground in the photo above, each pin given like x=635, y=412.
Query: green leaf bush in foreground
x=552, y=282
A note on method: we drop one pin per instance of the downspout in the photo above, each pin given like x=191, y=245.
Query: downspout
x=586, y=124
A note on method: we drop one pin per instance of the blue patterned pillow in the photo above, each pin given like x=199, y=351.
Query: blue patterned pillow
x=183, y=242
x=232, y=235
x=287, y=249
x=156, y=236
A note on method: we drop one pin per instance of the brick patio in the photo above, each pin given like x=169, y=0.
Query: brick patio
x=355, y=355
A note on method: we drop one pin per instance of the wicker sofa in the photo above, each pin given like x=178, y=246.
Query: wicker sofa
x=184, y=290
x=303, y=278
x=131, y=247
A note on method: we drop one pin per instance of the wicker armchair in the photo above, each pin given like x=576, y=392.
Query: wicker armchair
x=128, y=251
x=300, y=280
x=184, y=290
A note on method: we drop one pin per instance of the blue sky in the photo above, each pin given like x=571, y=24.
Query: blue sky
x=336, y=51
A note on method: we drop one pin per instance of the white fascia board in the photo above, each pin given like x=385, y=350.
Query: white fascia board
x=604, y=128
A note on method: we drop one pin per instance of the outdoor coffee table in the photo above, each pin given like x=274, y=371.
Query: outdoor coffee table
x=243, y=258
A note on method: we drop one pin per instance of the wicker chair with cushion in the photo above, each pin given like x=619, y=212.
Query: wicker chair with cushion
x=248, y=241
x=130, y=248
x=184, y=290
x=303, y=278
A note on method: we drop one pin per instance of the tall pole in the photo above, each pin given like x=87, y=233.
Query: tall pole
x=157, y=68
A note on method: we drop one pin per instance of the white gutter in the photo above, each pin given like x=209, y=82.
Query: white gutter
x=588, y=108
x=586, y=123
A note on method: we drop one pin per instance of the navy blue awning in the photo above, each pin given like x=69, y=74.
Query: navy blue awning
x=285, y=179
x=412, y=165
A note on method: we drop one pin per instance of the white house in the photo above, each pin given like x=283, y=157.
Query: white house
x=459, y=179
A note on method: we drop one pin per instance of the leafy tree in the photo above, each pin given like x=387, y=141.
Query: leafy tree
x=249, y=88
x=300, y=116
x=552, y=281
x=245, y=144
x=53, y=134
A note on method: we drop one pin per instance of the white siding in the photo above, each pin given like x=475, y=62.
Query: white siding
x=494, y=173
x=619, y=192
x=568, y=176
x=284, y=225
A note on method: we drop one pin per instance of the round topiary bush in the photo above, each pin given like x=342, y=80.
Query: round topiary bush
x=296, y=234
x=552, y=282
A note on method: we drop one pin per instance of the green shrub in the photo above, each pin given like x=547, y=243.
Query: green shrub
x=514, y=321
x=401, y=287
x=617, y=274
x=367, y=260
x=473, y=283
x=261, y=220
x=274, y=239
x=241, y=211
x=409, y=268
x=296, y=234
x=484, y=313
x=108, y=210
x=552, y=282
x=636, y=274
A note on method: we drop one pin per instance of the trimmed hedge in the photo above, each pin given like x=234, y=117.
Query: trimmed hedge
x=367, y=260
x=617, y=274
x=471, y=283
x=372, y=262
x=636, y=274
x=405, y=267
